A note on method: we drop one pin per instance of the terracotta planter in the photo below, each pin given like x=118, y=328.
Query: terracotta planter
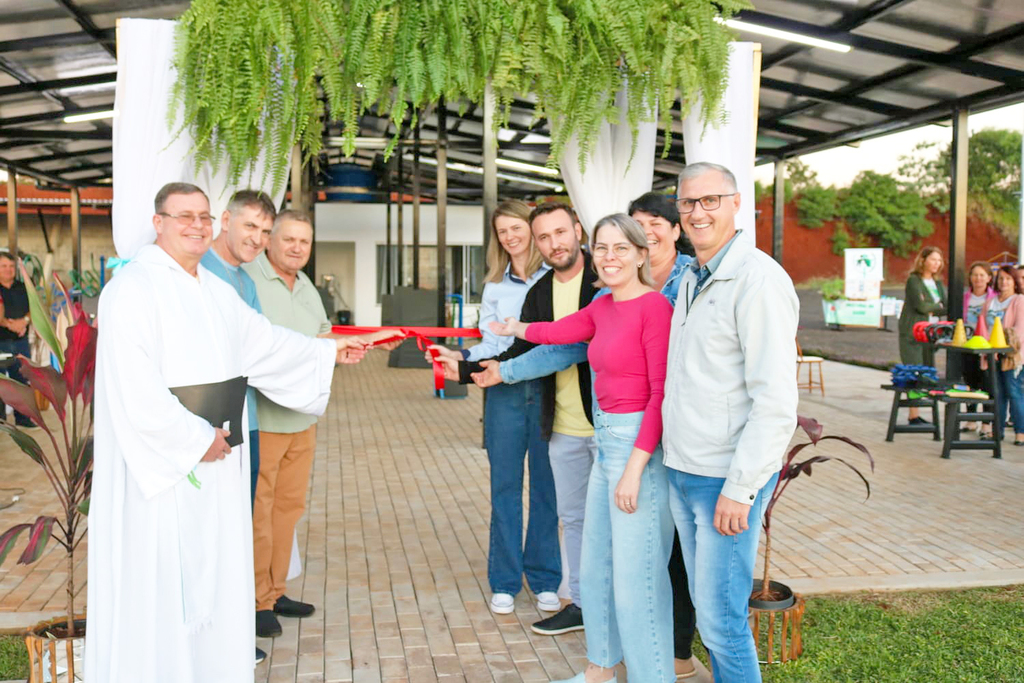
x=51, y=651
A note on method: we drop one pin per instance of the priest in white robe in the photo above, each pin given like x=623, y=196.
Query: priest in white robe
x=170, y=535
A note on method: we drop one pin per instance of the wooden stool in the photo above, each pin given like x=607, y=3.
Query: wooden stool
x=781, y=625
x=811, y=362
x=898, y=401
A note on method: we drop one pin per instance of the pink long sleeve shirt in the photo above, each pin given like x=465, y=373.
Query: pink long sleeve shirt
x=628, y=352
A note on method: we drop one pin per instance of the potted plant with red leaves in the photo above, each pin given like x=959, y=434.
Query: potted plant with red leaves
x=767, y=594
x=64, y=453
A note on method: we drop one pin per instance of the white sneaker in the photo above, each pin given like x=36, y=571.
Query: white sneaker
x=547, y=601
x=503, y=603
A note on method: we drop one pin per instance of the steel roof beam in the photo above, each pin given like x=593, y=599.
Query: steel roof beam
x=947, y=60
x=24, y=169
x=53, y=115
x=833, y=97
x=87, y=25
x=999, y=96
x=27, y=134
x=58, y=84
x=56, y=40
x=60, y=156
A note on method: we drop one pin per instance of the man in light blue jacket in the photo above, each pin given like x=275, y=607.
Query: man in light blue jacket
x=729, y=410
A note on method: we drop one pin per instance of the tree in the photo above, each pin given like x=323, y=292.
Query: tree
x=993, y=176
x=878, y=207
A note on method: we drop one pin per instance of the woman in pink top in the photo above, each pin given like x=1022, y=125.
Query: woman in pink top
x=627, y=528
x=1008, y=306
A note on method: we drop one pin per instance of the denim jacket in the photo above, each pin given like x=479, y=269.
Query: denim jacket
x=549, y=359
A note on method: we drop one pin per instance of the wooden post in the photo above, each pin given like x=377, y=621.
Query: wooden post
x=778, y=222
x=12, y=212
x=76, y=231
x=955, y=263
x=296, y=181
x=442, y=209
x=416, y=206
x=490, y=164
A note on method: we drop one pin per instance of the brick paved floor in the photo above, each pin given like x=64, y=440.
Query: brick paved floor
x=395, y=539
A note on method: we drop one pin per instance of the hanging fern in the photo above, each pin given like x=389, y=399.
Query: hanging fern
x=250, y=72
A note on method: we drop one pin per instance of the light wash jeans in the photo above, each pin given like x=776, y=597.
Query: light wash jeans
x=720, y=571
x=512, y=428
x=572, y=458
x=624, y=583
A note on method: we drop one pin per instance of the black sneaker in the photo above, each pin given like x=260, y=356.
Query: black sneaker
x=569, y=619
x=287, y=607
x=267, y=625
x=260, y=656
x=919, y=421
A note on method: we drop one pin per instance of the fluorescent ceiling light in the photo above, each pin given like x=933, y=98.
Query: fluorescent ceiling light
x=468, y=168
x=785, y=35
x=527, y=168
x=76, y=118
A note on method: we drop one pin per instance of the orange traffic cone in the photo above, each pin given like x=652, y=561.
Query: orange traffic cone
x=997, y=339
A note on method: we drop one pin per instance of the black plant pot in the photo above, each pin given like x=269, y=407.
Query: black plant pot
x=784, y=593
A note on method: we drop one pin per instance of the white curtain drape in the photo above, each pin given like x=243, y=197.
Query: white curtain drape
x=611, y=180
x=145, y=155
x=731, y=144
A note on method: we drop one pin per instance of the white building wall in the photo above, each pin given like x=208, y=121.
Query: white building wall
x=363, y=225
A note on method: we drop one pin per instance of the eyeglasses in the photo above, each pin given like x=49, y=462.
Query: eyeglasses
x=708, y=202
x=619, y=250
x=189, y=218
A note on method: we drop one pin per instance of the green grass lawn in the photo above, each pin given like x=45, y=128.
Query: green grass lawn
x=970, y=636
x=13, y=658
x=920, y=637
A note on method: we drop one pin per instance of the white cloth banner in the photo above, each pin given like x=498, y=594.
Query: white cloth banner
x=145, y=155
x=732, y=143
x=611, y=180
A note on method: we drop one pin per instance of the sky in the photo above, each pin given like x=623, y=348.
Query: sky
x=839, y=166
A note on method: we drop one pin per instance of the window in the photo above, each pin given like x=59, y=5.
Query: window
x=465, y=269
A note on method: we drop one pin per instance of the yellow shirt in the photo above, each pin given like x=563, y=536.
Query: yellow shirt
x=570, y=418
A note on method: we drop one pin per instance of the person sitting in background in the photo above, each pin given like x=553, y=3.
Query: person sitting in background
x=1008, y=307
x=976, y=295
x=14, y=324
x=925, y=297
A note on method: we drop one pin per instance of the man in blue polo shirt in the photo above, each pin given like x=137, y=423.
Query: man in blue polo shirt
x=244, y=233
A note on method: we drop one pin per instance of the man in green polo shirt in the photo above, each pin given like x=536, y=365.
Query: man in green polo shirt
x=287, y=437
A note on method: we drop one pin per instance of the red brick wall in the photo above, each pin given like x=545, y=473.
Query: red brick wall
x=807, y=253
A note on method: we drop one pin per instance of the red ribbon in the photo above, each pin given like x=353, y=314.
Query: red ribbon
x=423, y=342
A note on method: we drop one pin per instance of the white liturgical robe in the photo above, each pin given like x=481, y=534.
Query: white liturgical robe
x=171, y=597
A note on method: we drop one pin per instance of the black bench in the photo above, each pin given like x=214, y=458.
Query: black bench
x=954, y=416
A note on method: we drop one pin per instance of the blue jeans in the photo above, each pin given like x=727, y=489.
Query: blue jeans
x=624, y=582
x=720, y=570
x=1011, y=389
x=512, y=428
x=15, y=346
x=254, y=462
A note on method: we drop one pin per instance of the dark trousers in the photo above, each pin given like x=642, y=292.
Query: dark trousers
x=254, y=462
x=16, y=347
x=683, y=614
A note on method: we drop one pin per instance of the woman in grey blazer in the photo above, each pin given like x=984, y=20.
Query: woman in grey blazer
x=925, y=297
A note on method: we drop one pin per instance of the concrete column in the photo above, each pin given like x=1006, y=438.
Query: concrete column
x=401, y=228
